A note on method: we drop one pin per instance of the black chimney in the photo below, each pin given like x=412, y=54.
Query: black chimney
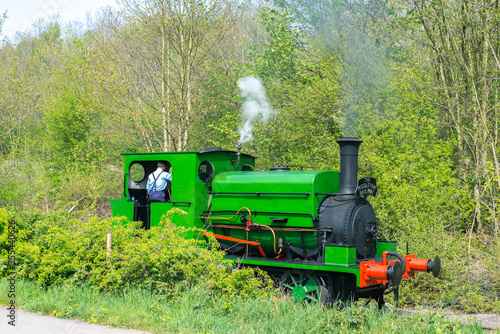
x=348, y=164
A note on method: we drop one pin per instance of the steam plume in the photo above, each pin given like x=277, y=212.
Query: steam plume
x=255, y=105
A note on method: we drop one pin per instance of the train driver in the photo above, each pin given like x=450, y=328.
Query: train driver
x=157, y=182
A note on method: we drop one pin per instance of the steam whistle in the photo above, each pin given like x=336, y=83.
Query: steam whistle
x=238, y=154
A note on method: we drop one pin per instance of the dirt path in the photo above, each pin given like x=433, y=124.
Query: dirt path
x=487, y=321
x=31, y=323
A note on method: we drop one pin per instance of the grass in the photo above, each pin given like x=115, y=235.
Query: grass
x=200, y=312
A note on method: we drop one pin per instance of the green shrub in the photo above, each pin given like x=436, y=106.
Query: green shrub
x=55, y=248
x=421, y=202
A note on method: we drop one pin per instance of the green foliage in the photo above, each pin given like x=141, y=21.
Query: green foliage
x=467, y=282
x=302, y=86
x=55, y=248
x=51, y=33
x=10, y=190
x=414, y=166
x=53, y=130
x=68, y=127
x=279, y=55
x=359, y=35
x=422, y=202
x=218, y=126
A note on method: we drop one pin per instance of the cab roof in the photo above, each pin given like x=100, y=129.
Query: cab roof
x=186, y=152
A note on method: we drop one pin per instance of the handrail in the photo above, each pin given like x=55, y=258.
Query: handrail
x=173, y=202
x=258, y=193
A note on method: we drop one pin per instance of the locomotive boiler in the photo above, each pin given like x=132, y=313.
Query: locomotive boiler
x=314, y=232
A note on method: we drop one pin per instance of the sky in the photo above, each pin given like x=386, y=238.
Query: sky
x=23, y=13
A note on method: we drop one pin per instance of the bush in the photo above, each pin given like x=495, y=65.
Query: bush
x=422, y=202
x=55, y=248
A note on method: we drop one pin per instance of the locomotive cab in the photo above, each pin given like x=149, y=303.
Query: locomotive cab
x=138, y=174
x=192, y=175
x=138, y=179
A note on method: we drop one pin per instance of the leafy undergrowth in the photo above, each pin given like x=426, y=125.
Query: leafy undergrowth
x=197, y=310
x=467, y=283
x=57, y=248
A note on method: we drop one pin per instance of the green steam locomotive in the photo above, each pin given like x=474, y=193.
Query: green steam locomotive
x=313, y=231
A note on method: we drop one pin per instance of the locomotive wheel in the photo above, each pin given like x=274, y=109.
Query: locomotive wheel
x=304, y=287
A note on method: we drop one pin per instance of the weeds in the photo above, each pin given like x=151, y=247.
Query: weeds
x=200, y=311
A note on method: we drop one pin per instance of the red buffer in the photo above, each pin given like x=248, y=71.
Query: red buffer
x=373, y=273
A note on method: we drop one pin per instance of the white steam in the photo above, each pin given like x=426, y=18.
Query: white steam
x=255, y=106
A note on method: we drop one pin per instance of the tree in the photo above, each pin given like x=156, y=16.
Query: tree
x=359, y=36
x=162, y=49
x=462, y=42
x=2, y=20
x=302, y=86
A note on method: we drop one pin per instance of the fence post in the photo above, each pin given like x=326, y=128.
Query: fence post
x=108, y=245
